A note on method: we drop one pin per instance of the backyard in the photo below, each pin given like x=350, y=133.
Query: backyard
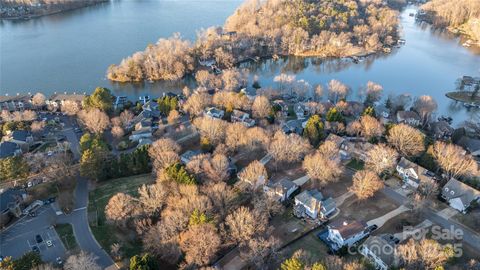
x=109, y=234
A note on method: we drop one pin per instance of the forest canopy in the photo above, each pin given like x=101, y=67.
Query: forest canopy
x=263, y=28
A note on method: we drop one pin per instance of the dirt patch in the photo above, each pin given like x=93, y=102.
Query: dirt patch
x=366, y=210
x=290, y=172
x=471, y=219
x=397, y=224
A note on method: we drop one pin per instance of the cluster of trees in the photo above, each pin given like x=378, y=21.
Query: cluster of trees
x=190, y=214
x=327, y=28
x=452, y=13
x=33, y=261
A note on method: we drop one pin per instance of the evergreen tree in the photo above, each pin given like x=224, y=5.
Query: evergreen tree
x=292, y=264
x=333, y=115
x=101, y=99
x=145, y=262
x=314, y=130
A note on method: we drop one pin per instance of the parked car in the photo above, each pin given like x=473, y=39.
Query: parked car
x=49, y=243
x=59, y=261
x=35, y=249
x=49, y=200
x=39, y=238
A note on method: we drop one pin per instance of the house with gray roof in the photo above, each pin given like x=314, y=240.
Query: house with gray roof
x=413, y=174
x=293, y=126
x=188, y=155
x=312, y=204
x=214, y=113
x=10, y=202
x=344, y=232
x=15, y=103
x=22, y=138
x=9, y=149
x=471, y=145
x=409, y=117
x=280, y=190
x=459, y=195
x=379, y=250
x=441, y=130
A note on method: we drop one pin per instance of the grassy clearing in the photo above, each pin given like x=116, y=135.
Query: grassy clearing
x=65, y=231
x=356, y=164
x=108, y=234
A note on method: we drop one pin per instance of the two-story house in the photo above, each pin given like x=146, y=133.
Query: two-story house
x=459, y=195
x=312, y=204
x=413, y=174
x=10, y=202
x=242, y=117
x=214, y=113
x=280, y=190
x=379, y=250
x=9, y=149
x=15, y=103
x=343, y=232
x=22, y=138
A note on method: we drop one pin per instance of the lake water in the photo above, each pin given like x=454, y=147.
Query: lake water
x=71, y=52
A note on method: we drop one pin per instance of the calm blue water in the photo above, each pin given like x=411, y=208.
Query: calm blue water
x=71, y=52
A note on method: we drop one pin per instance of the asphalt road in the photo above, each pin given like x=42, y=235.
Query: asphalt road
x=20, y=238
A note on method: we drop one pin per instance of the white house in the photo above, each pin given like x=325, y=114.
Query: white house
x=214, y=113
x=281, y=190
x=342, y=232
x=242, y=117
x=15, y=103
x=459, y=195
x=408, y=117
x=379, y=250
x=312, y=204
x=413, y=174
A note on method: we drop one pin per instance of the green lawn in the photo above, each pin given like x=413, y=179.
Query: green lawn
x=356, y=164
x=108, y=234
x=65, y=232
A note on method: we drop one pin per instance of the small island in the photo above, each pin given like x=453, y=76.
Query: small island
x=468, y=92
x=26, y=9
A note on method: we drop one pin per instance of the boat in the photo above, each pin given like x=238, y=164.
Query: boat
x=411, y=14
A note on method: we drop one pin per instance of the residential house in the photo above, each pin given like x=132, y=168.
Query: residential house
x=294, y=126
x=252, y=183
x=471, y=145
x=250, y=92
x=379, y=250
x=312, y=204
x=242, y=117
x=339, y=141
x=343, y=232
x=459, y=195
x=354, y=108
x=9, y=149
x=412, y=173
x=282, y=105
x=151, y=109
x=301, y=111
x=383, y=113
x=214, y=113
x=441, y=130
x=15, y=103
x=145, y=124
x=281, y=190
x=22, y=138
x=120, y=101
x=409, y=117
x=56, y=101
x=140, y=134
x=144, y=141
x=187, y=156
x=10, y=202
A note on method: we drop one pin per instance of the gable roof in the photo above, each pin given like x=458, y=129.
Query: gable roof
x=382, y=247
x=310, y=197
x=282, y=186
x=20, y=135
x=469, y=144
x=336, y=139
x=422, y=173
x=402, y=115
x=456, y=189
x=8, y=149
x=348, y=228
x=8, y=197
x=328, y=205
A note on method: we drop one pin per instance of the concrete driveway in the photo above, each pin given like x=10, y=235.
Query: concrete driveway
x=21, y=237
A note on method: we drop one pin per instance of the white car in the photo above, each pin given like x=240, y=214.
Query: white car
x=49, y=243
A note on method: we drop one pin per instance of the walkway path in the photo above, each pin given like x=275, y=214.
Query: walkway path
x=302, y=180
x=342, y=198
x=383, y=219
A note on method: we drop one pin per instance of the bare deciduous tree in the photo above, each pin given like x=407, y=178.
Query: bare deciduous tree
x=117, y=132
x=152, y=197
x=255, y=174
x=38, y=100
x=243, y=224
x=120, y=208
x=454, y=160
x=126, y=117
x=337, y=90
x=407, y=140
x=323, y=167
x=373, y=92
x=37, y=126
x=71, y=107
x=212, y=129
x=196, y=103
x=163, y=153
x=381, y=158
x=82, y=261
x=288, y=148
x=29, y=115
x=221, y=195
x=95, y=120
x=424, y=254
x=200, y=243
x=173, y=117
x=261, y=107
x=425, y=106
x=366, y=184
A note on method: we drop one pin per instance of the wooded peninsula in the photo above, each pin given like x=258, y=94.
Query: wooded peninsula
x=330, y=28
x=25, y=9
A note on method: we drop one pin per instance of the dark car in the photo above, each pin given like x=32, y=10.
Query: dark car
x=372, y=228
x=35, y=249
x=38, y=238
x=49, y=200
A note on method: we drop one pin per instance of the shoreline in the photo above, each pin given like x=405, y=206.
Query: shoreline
x=48, y=12
x=464, y=96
